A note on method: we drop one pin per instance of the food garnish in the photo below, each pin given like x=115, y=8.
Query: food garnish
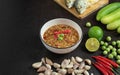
x=59, y=35
x=92, y=44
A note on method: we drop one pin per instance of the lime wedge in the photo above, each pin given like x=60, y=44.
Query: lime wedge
x=92, y=44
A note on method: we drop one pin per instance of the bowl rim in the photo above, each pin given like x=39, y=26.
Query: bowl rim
x=80, y=37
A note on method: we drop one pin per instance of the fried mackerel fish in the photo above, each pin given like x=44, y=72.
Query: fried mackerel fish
x=80, y=5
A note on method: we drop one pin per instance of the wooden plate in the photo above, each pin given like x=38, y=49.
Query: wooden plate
x=89, y=10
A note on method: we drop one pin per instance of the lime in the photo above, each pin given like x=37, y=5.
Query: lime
x=95, y=32
x=92, y=44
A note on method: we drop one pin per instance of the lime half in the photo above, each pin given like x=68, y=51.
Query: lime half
x=92, y=44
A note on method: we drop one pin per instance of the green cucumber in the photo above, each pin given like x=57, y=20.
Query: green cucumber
x=118, y=29
x=111, y=17
x=113, y=25
x=107, y=9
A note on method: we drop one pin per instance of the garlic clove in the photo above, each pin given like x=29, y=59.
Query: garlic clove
x=37, y=64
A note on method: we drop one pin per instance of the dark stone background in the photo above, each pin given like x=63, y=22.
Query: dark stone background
x=20, y=45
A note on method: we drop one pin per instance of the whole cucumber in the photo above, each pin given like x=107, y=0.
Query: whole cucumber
x=118, y=29
x=107, y=9
x=113, y=25
x=111, y=17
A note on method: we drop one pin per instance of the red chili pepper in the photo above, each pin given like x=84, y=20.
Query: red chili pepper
x=101, y=69
x=57, y=32
x=99, y=59
x=105, y=65
x=108, y=71
x=114, y=64
x=66, y=31
x=55, y=36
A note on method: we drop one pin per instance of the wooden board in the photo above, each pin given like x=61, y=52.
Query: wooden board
x=89, y=10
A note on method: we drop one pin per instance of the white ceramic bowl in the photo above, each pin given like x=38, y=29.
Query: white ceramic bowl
x=61, y=21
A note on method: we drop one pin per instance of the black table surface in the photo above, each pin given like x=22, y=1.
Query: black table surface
x=20, y=44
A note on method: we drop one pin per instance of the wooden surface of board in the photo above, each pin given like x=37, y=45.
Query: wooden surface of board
x=89, y=10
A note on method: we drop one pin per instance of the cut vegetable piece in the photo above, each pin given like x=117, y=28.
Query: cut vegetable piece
x=92, y=44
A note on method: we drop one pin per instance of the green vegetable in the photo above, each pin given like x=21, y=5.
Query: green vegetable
x=105, y=52
x=108, y=49
x=118, y=41
x=118, y=57
x=118, y=29
x=103, y=47
x=118, y=51
x=110, y=56
x=105, y=44
x=118, y=45
x=88, y=24
x=108, y=38
x=107, y=9
x=101, y=42
x=114, y=49
x=113, y=43
x=118, y=61
x=110, y=46
x=114, y=53
x=60, y=38
x=113, y=25
x=61, y=35
x=111, y=17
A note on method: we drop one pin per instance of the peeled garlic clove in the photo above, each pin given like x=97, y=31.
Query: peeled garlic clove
x=79, y=71
x=88, y=61
x=75, y=66
x=43, y=60
x=82, y=64
x=78, y=59
x=79, y=74
x=70, y=65
x=86, y=72
x=48, y=61
x=48, y=72
x=41, y=74
x=62, y=71
x=73, y=73
x=74, y=61
x=37, y=64
x=42, y=69
x=48, y=66
x=70, y=70
x=87, y=67
x=56, y=65
x=65, y=63
x=92, y=73
x=54, y=73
